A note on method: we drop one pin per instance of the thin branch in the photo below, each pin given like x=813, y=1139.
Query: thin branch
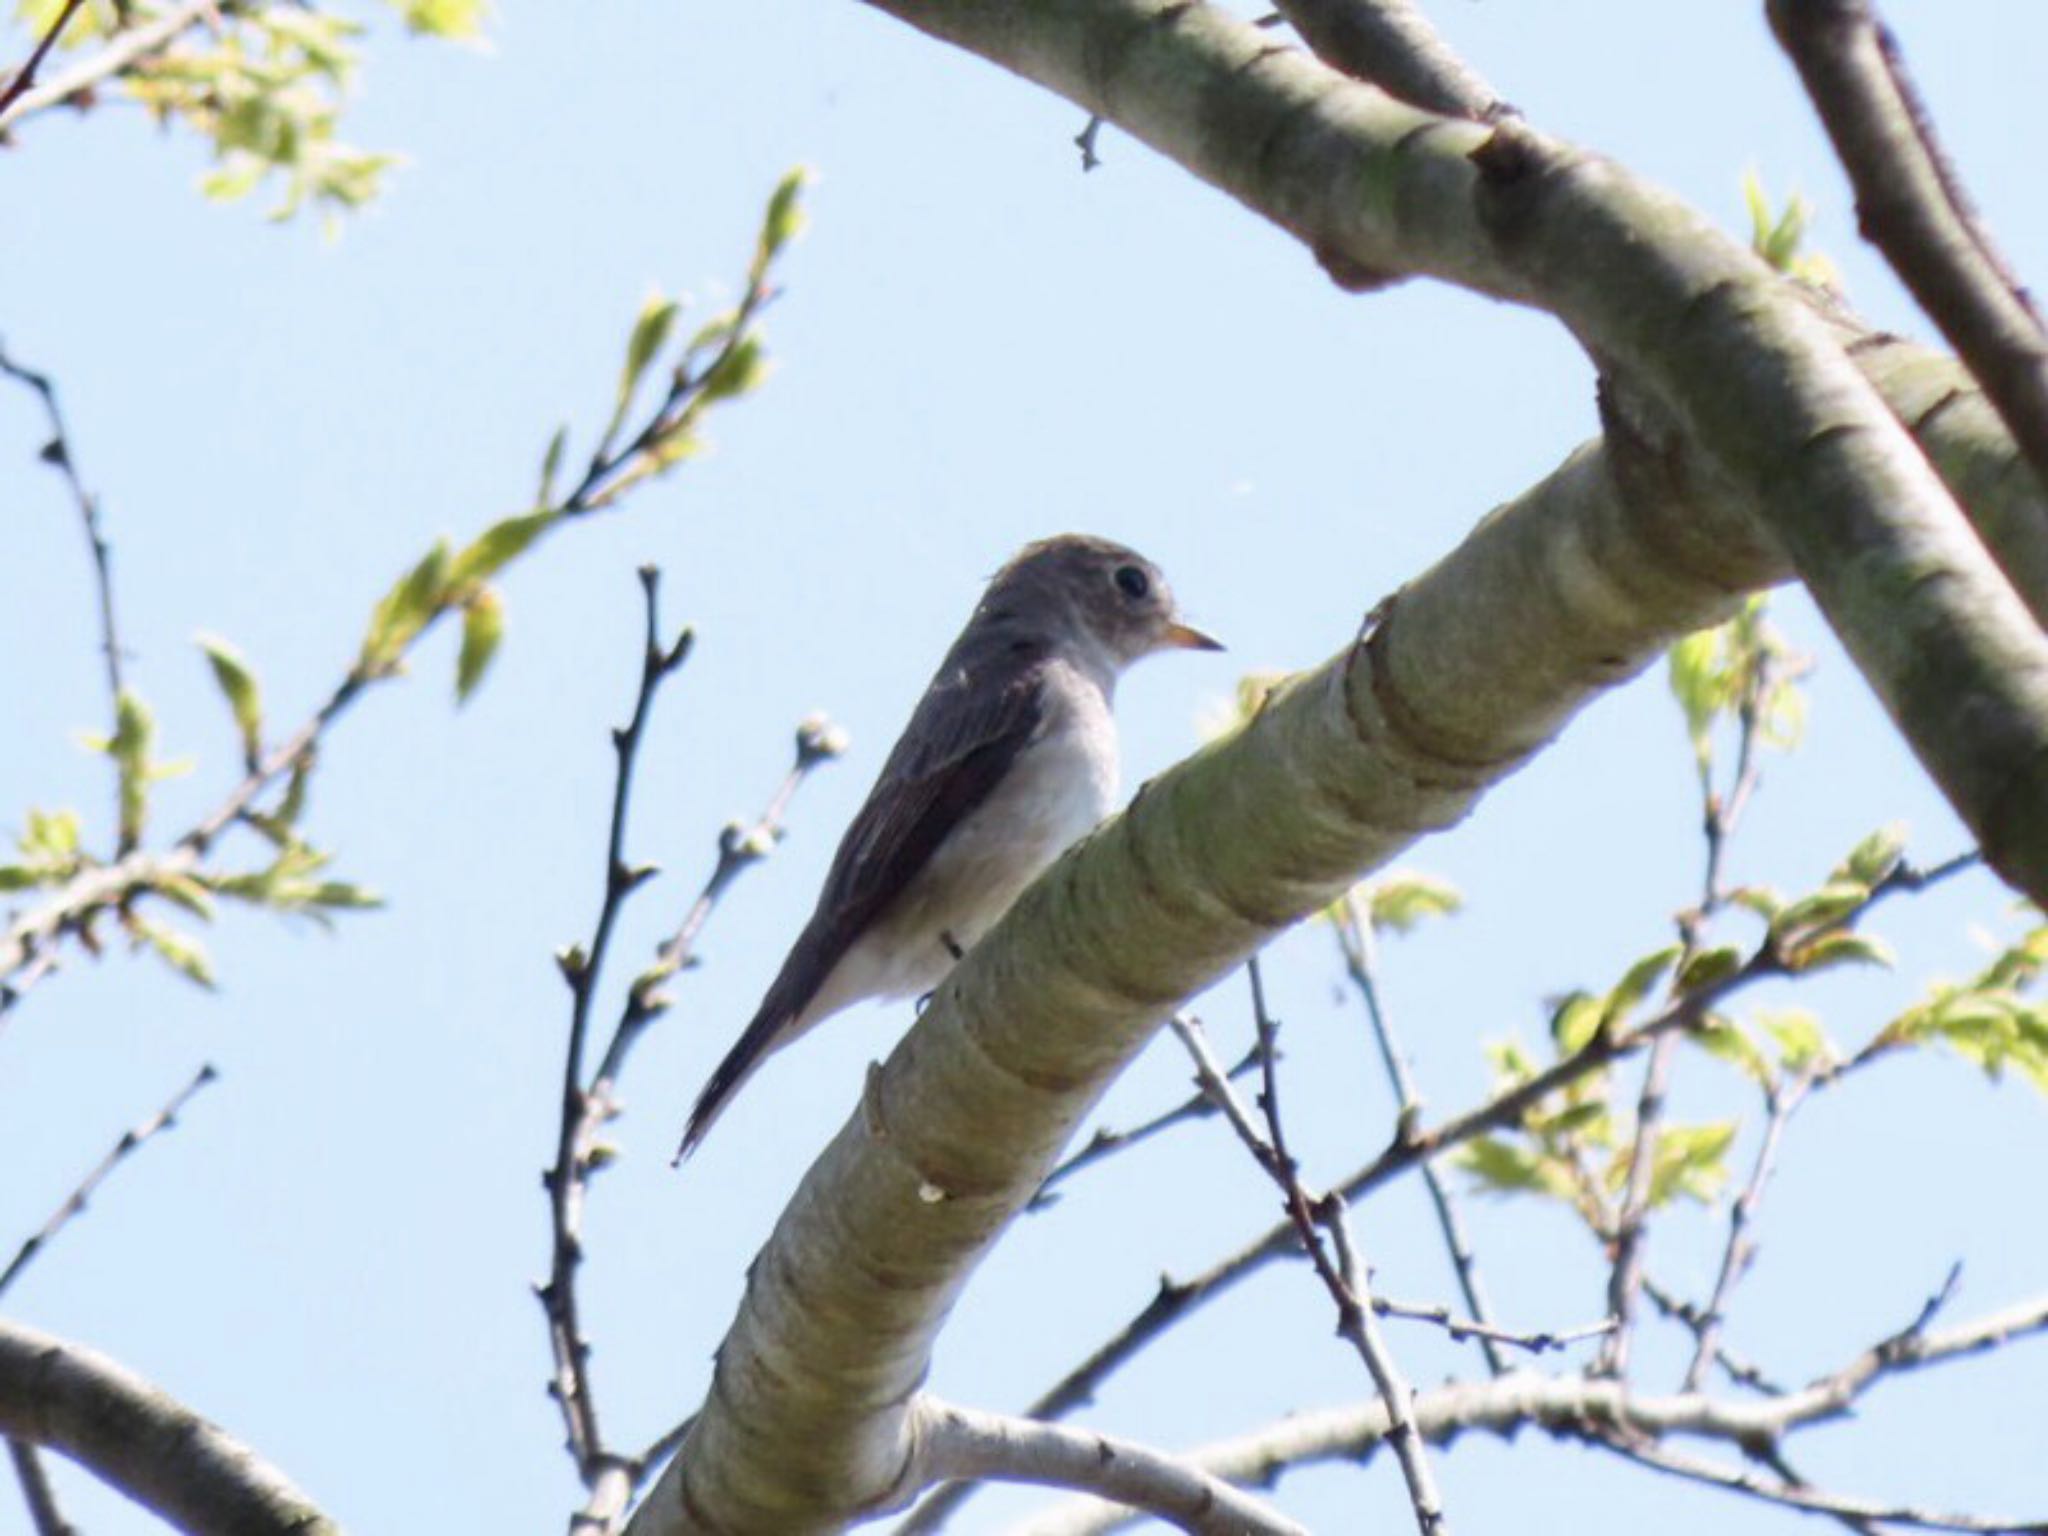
x=583, y=1115
x=590, y=1101
x=1662, y=1458
x=123, y=51
x=24, y=77
x=57, y=453
x=1355, y=942
x=118, y=1426
x=75, y=1203
x=36, y=1491
x=1107, y=1141
x=1595, y=1409
x=1336, y=1264
x=27, y=950
x=1388, y=43
x=1911, y=204
x=1743, y=1372
x=965, y=1443
x=1740, y=1249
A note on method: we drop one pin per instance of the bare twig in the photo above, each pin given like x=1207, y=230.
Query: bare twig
x=1652, y=1453
x=590, y=1100
x=608, y=1479
x=1780, y=1105
x=75, y=1203
x=36, y=1491
x=1335, y=1263
x=1910, y=202
x=1356, y=943
x=1107, y=1142
x=24, y=77
x=57, y=453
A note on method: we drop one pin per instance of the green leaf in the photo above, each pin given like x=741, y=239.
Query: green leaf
x=1831, y=904
x=187, y=893
x=19, y=877
x=1802, y=1044
x=1697, y=685
x=134, y=730
x=1709, y=966
x=238, y=685
x=550, y=466
x=1871, y=860
x=1691, y=1160
x=405, y=610
x=1574, y=1023
x=1400, y=899
x=483, y=627
x=736, y=372
x=1506, y=1168
x=503, y=542
x=1635, y=985
x=1840, y=948
x=183, y=953
x=650, y=334
x=784, y=220
x=52, y=836
x=1728, y=1040
x=457, y=20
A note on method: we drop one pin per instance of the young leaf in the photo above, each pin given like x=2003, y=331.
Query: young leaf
x=1400, y=899
x=183, y=953
x=650, y=333
x=550, y=466
x=503, y=542
x=483, y=626
x=404, y=611
x=134, y=730
x=784, y=220
x=238, y=685
x=1636, y=984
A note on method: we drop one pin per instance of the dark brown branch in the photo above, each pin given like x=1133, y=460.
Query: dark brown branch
x=36, y=1491
x=57, y=453
x=1910, y=203
x=24, y=77
x=75, y=1203
x=607, y=1478
x=590, y=1099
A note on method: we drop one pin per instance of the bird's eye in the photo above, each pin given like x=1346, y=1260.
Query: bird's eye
x=1132, y=582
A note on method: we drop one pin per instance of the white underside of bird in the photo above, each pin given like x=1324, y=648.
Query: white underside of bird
x=1061, y=787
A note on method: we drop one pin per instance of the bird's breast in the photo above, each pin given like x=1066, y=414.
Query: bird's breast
x=1059, y=787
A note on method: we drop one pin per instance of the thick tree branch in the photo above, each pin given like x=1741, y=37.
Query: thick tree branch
x=137, y=1438
x=1478, y=664
x=1381, y=188
x=1911, y=204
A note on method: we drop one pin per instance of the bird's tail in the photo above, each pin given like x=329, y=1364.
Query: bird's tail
x=759, y=1041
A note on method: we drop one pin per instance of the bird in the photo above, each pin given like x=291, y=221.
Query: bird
x=1009, y=757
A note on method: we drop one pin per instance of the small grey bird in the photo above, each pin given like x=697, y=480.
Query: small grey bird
x=1009, y=757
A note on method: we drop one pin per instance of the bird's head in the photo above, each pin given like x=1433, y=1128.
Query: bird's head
x=1108, y=599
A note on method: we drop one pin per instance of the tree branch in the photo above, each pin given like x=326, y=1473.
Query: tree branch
x=123, y=51
x=1723, y=342
x=1463, y=679
x=1912, y=206
x=965, y=1443
x=137, y=1438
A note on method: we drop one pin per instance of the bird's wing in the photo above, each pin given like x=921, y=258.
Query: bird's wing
x=977, y=716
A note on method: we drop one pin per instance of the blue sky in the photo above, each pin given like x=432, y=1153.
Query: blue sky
x=978, y=346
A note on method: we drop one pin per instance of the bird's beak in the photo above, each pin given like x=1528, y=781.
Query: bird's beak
x=1187, y=638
